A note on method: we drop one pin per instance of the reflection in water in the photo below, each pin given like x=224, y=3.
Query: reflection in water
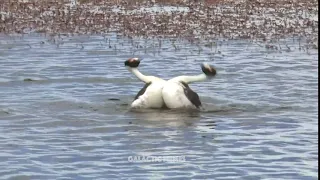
x=166, y=117
x=209, y=106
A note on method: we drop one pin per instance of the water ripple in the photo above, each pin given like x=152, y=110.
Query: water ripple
x=64, y=111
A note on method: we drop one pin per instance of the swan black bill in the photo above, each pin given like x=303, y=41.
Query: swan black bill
x=132, y=63
x=208, y=70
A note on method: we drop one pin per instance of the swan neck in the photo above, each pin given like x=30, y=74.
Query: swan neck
x=139, y=75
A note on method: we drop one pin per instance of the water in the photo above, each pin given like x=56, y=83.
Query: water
x=64, y=110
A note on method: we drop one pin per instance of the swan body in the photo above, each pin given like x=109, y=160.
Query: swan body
x=150, y=96
x=177, y=94
x=174, y=93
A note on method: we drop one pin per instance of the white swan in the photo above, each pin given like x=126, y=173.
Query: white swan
x=177, y=94
x=150, y=96
x=174, y=93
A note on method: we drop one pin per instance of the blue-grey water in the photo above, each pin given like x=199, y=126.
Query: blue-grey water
x=64, y=110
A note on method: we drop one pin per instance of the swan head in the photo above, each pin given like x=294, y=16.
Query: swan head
x=132, y=62
x=208, y=70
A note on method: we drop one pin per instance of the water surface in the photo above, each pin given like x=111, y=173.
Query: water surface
x=64, y=110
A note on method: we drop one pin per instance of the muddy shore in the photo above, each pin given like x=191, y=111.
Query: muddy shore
x=265, y=20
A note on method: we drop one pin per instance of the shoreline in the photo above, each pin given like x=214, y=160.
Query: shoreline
x=264, y=20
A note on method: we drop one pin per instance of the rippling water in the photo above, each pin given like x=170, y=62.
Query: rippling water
x=64, y=110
